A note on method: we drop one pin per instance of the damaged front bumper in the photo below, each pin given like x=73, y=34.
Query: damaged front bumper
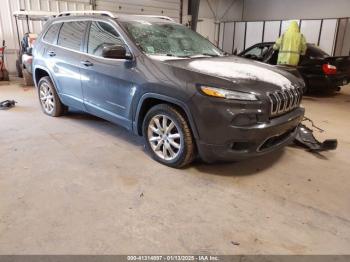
x=305, y=138
x=256, y=140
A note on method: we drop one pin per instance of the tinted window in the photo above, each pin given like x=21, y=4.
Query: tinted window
x=51, y=34
x=71, y=35
x=101, y=35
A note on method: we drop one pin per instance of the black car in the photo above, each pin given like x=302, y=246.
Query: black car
x=167, y=83
x=319, y=70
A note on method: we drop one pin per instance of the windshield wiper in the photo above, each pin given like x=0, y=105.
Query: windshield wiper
x=212, y=55
x=180, y=56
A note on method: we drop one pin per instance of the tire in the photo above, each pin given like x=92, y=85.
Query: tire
x=27, y=77
x=19, y=68
x=171, y=142
x=48, y=98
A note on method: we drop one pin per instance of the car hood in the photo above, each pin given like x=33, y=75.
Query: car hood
x=239, y=70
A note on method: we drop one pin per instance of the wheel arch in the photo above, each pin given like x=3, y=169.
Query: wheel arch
x=40, y=72
x=151, y=99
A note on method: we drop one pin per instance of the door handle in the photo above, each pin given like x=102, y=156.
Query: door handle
x=51, y=53
x=87, y=63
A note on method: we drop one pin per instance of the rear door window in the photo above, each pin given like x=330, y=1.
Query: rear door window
x=102, y=35
x=71, y=35
x=51, y=34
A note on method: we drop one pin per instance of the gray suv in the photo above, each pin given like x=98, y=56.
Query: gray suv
x=166, y=83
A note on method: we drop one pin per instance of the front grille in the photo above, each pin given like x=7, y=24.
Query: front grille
x=284, y=101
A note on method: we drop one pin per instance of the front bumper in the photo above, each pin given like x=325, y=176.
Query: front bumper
x=256, y=140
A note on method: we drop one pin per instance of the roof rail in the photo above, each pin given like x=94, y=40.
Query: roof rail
x=158, y=16
x=110, y=14
x=86, y=12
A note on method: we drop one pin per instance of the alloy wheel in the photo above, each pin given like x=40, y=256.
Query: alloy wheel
x=47, y=98
x=164, y=137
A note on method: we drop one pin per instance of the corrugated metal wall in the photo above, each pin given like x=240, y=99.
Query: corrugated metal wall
x=169, y=8
x=326, y=33
x=8, y=26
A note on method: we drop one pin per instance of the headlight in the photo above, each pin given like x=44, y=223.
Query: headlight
x=228, y=94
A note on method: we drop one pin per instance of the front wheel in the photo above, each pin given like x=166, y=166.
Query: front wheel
x=168, y=136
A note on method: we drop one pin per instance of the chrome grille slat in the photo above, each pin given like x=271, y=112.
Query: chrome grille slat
x=290, y=99
x=295, y=98
x=280, y=96
x=284, y=101
x=278, y=102
x=298, y=97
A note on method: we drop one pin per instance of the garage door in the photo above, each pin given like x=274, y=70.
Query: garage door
x=169, y=8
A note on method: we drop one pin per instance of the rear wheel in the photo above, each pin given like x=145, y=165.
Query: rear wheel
x=168, y=137
x=49, y=100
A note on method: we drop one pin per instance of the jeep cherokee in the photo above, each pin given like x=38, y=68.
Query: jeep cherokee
x=167, y=83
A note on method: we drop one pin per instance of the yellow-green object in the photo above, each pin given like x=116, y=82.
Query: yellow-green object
x=291, y=45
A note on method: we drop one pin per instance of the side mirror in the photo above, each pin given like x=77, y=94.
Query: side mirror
x=235, y=52
x=115, y=52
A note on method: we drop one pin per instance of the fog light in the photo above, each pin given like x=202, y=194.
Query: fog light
x=245, y=120
x=241, y=146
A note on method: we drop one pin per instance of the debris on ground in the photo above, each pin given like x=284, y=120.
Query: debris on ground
x=141, y=195
x=312, y=124
x=305, y=138
x=235, y=243
x=7, y=104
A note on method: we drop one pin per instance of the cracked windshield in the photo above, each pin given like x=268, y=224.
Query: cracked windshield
x=169, y=39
